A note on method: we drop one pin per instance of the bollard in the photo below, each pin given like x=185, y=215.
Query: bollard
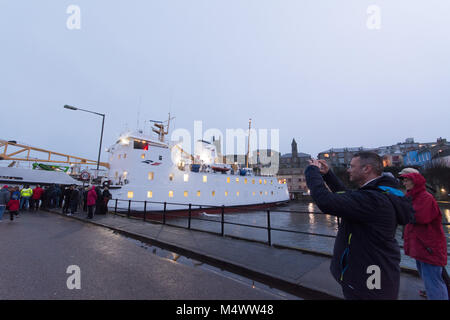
x=223, y=220
x=129, y=208
x=190, y=214
x=115, y=207
x=268, y=228
x=164, y=213
x=145, y=209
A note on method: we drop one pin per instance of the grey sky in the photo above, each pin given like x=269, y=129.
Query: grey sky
x=310, y=68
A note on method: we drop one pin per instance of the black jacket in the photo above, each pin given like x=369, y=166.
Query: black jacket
x=366, y=235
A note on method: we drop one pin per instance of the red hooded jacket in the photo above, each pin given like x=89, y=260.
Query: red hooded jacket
x=424, y=240
x=37, y=193
x=91, y=197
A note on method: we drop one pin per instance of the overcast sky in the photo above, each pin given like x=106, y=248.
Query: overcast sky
x=311, y=68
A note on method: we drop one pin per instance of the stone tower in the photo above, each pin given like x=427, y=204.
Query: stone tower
x=294, y=149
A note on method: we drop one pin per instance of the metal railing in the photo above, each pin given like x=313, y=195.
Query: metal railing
x=190, y=208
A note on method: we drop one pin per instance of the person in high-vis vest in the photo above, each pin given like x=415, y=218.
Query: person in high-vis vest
x=25, y=195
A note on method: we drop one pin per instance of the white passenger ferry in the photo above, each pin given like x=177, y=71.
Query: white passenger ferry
x=149, y=172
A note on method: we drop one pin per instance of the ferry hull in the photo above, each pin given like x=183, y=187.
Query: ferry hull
x=195, y=211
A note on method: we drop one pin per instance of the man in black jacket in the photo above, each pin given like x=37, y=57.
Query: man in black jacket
x=366, y=257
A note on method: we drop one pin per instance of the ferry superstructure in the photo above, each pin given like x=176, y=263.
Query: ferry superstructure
x=142, y=168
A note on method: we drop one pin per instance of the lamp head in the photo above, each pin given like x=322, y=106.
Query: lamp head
x=70, y=107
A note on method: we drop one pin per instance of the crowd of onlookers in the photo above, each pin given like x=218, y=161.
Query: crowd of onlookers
x=71, y=199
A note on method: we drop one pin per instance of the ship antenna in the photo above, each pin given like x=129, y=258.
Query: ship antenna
x=248, y=143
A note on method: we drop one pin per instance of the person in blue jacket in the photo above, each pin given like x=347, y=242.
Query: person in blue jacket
x=366, y=256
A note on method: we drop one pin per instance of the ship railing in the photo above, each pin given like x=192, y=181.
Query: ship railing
x=190, y=213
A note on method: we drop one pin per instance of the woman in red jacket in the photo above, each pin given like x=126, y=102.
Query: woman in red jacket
x=14, y=203
x=424, y=240
x=91, y=200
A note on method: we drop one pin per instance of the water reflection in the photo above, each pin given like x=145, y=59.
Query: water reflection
x=312, y=219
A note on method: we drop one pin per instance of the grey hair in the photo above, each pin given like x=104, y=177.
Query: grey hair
x=372, y=159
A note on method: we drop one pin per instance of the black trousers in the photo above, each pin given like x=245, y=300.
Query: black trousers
x=34, y=204
x=90, y=212
x=73, y=206
x=66, y=206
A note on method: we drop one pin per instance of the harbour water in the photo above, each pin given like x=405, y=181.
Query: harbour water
x=318, y=229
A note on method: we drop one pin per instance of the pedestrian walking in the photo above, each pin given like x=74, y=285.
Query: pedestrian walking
x=36, y=197
x=366, y=256
x=424, y=238
x=25, y=196
x=5, y=195
x=74, y=199
x=106, y=197
x=67, y=194
x=85, y=193
x=45, y=197
x=91, y=202
x=99, y=201
x=51, y=197
x=58, y=196
x=14, y=203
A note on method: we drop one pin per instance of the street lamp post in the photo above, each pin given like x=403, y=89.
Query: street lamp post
x=101, y=135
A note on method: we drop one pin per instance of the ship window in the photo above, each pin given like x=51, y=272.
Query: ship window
x=228, y=180
x=151, y=175
x=149, y=194
x=116, y=175
x=245, y=180
x=143, y=156
x=237, y=194
x=265, y=181
x=171, y=177
x=237, y=180
x=253, y=193
x=119, y=156
x=271, y=192
x=140, y=145
x=213, y=193
x=226, y=193
x=171, y=194
x=253, y=181
x=186, y=177
x=185, y=193
x=198, y=193
x=205, y=178
x=130, y=194
x=271, y=181
x=124, y=155
x=265, y=193
x=260, y=193
x=260, y=181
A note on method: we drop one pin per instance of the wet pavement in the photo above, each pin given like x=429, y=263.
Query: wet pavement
x=38, y=247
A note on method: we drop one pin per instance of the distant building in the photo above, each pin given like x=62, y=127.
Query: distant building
x=340, y=157
x=292, y=169
x=442, y=158
x=408, y=153
x=426, y=154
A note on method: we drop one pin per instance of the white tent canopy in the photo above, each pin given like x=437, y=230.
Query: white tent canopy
x=28, y=176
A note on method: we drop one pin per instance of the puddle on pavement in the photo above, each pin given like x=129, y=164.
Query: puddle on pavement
x=175, y=257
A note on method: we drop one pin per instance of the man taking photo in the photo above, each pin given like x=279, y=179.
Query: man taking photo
x=366, y=257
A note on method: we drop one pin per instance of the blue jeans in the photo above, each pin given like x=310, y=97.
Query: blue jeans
x=24, y=202
x=2, y=210
x=432, y=278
